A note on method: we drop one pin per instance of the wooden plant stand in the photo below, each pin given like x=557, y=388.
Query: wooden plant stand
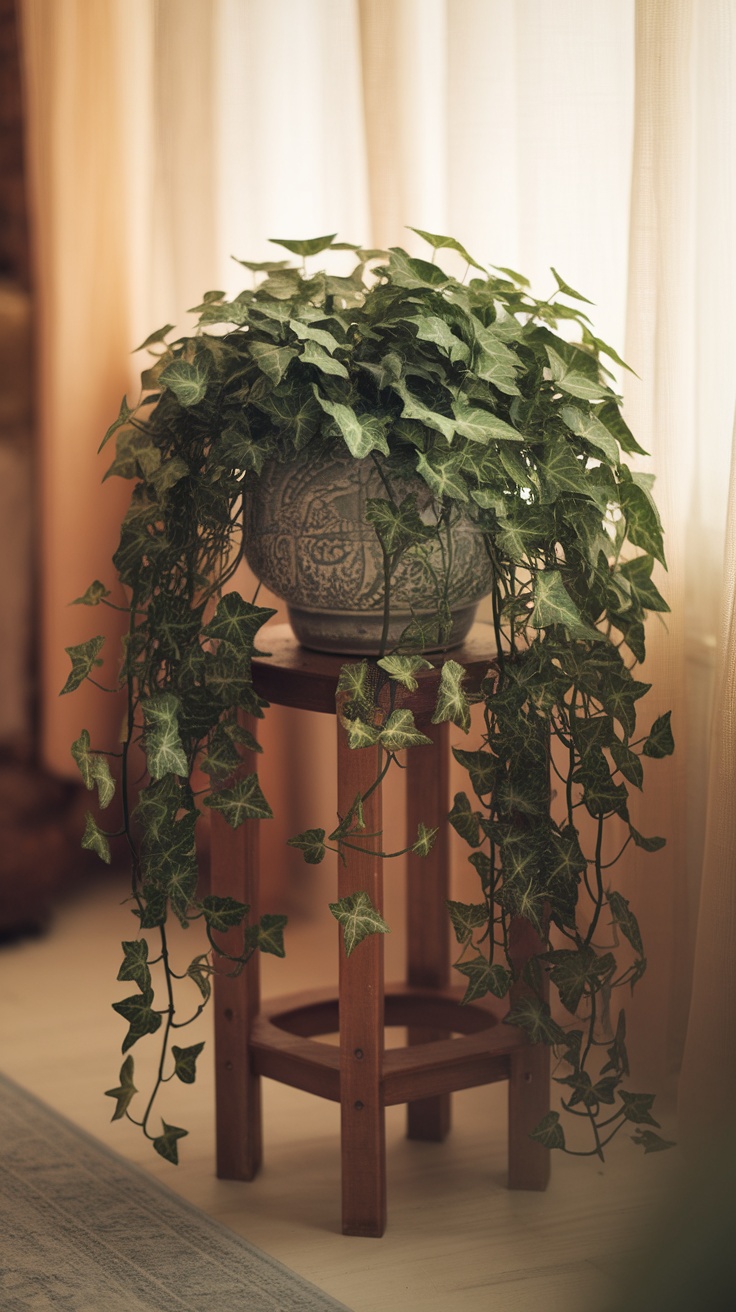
x=281, y=1040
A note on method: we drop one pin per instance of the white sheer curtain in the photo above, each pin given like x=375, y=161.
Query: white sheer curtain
x=168, y=135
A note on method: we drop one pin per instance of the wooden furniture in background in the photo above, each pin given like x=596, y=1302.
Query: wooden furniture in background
x=281, y=1041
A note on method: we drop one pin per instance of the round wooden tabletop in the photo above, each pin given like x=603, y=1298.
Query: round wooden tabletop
x=292, y=675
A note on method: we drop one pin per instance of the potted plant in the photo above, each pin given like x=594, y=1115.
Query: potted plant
x=454, y=443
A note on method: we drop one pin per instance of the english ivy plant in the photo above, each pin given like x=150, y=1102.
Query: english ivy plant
x=469, y=383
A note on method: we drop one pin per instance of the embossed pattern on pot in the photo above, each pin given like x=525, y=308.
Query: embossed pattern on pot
x=307, y=540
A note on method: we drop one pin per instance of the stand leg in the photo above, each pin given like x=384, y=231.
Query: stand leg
x=428, y=943
x=529, y=1085
x=361, y=1009
x=234, y=864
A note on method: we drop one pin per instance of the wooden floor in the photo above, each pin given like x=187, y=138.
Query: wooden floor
x=456, y=1238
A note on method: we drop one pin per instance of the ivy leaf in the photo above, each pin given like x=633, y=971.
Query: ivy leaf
x=642, y=523
x=139, y=1015
x=424, y=840
x=163, y=747
x=185, y=1062
x=618, y=1058
x=624, y=917
x=357, y=680
x=244, y=801
x=549, y=1132
x=467, y=917
x=397, y=527
x=464, y=820
x=222, y=754
x=452, y=703
x=483, y=978
x=94, y=769
x=561, y=471
x=637, y=1108
x=223, y=913
x=200, y=970
x=271, y=935
x=402, y=669
x=362, y=433
x=496, y=363
x=415, y=409
x=273, y=361
x=359, y=733
x=311, y=843
x=646, y=844
x=307, y=332
x=481, y=767
x=237, y=622
x=166, y=1145
x=84, y=657
x=651, y=1142
x=312, y=246
x=554, y=605
x=637, y=573
x=447, y=243
x=568, y=290
x=95, y=593
x=123, y=416
x=313, y=353
x=187, y=381
x=359, y=918
x=400, y=731
x=135, y=964
x=628, y=763
x=572, y=381
x=412, y=273
x=610, y=415
x=160, y=335
x=430, y=328
x=575, y=973
x=482, y=426
x=660, y=741
x=441, y=473
x=592, y=430
x=125, y=1091
x=533, y=1016
x=94, y=840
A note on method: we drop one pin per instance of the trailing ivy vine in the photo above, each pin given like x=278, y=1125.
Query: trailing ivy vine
x=470, y=384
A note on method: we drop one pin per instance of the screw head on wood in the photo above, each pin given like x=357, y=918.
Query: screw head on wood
x=359, y=1106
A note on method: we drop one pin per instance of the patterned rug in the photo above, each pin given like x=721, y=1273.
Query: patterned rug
x=81, y=1230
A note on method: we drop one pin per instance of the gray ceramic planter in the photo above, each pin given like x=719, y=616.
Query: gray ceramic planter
x=306, y=540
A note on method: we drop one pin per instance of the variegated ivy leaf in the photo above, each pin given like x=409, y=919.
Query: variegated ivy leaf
x=481, y=425
x=356, y=679
x=589, y=427
x=313, y=353
x=637, y=1107
x=496, y=363
x=160, y=335
x=166, y=1143
x=311, y=843
x=125, y=1091
x=533, y=1016
x=481, y=767
x=402, y=669
x=96, y=592
x=567, y=290
x=466, y=917
x=94, y=769
x=185, y=1062
x=660, y=741
x=244, y=801
x=416, y=409
x=123, y=416
x=272, y=360
x=187, y=381
x=359, y=733
x=352, y=821
x=84, y=657
x=610, y=415
x=135, y=456
x=163, y=747
x=442, y=474
x=483, y=978
x=549, y=1132
x=223, y=913
x=643, y=526
x=94, y=840
x=424, y=840
x=637, y=573
x=323, y=338
x=573, y=382
x=628, y=763
x=271, y=935
x=646, y=844
x=168, y=474
x=430, y=328
x=237, y=622
x=575, y=973
x=397, y=527
x=447, y=243
x=452, y=703
x=554, y=605
x=222, y=754
x=359, y=918
x=400, y=731
x=464, y=820
x=141, y=1017
x=135, y=964
x=362, y=433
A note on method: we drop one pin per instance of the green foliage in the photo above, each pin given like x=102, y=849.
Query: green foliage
x=468, y=384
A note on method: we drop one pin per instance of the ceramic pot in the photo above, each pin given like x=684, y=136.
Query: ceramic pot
x=307, y=541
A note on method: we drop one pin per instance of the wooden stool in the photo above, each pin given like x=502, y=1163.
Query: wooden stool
x=279, y=1040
